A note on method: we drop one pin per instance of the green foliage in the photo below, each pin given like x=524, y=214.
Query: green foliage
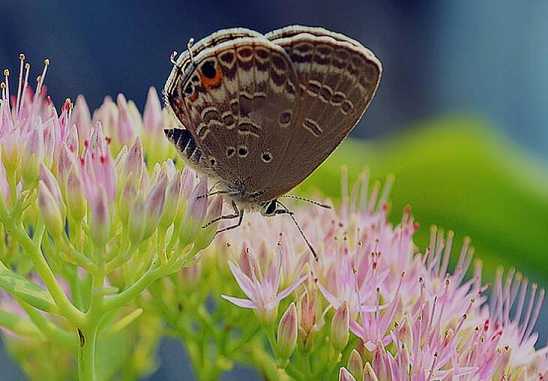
x=459, y=175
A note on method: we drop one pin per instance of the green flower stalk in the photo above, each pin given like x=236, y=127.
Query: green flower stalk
x=89, y=224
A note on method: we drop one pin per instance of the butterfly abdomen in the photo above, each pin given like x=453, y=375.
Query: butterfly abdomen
x=184, y=141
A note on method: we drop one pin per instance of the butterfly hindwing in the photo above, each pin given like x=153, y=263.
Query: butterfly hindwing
x=338, y=78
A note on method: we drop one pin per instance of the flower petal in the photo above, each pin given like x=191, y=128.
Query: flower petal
x=244, y=303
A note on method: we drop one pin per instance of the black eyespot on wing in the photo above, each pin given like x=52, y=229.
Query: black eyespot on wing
x=209, y=70
x=242, y=151
x=266, y=157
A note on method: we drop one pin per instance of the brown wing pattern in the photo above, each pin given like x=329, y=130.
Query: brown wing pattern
x=337, y=80
x=235, y=101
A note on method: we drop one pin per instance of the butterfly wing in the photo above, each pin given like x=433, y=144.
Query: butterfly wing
x=338, y=78
x=234, y=100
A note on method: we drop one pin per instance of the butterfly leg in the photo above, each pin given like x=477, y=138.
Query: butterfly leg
x=236, y=214
x=210, y=192
x=240, y=216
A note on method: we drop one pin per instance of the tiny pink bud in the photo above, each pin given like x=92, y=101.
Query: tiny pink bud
x=11, y=151
x=345, y=375
x=173, y=195
x=34, y=152
x=51, y=183
x=355, y=365
x=287, y=333
x=152, y=117
x=50, y=211
x=136, y=221
x=82, y=118
x=4, y=185
x=76, y=199
x=188, y=182
x=154, y=204
x=207, y=234
x=127, y=197
x=339, y=327
x=134, y=160
x=308, y=308
x=125, y=125
x=100, y=218
x=198, y=202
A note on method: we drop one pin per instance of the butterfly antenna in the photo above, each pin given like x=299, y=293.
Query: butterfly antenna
x=307, y=200
x=290, y=213
x=189, y=48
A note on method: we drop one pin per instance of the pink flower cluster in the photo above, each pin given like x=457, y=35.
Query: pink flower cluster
x=69, y=158
x=414, y=319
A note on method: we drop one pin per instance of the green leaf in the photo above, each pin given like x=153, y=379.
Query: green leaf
x=23, y=289
x=460, y=175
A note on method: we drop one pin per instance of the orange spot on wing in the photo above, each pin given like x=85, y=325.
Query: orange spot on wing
x=212, y=83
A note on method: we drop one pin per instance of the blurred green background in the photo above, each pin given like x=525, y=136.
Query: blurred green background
x=461, y=175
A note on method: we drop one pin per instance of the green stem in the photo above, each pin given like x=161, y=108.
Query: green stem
x=86, y=354
x=90, y=330
x=42, y=267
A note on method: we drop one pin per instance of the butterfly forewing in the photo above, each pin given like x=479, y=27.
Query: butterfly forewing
x=337, y=80
x=234, y=101
x=183, y=67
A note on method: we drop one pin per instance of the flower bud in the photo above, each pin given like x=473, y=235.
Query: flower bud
x=152, y=116
x=355, y=365
x=287, y=333
x=339, y=327
x=345, y=375
x=76, y=200
x=194, y=213
x=308, y=308
x=50, y=211
x=125, y=126
x=51, y=183
x=4, y=184
x=100, y=219
x=173, y=195
x=81, y=117
x=154, y=205
x=134, y=162
x=127, y=197
x=207, y=234
x=34, y=151
x=136, y=220
x=11, y=152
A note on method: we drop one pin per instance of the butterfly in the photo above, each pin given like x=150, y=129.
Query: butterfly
x=260, y=113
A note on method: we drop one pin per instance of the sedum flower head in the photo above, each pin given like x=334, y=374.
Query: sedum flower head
x=410, y=316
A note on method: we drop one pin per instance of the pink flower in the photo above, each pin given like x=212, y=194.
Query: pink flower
x=261, y=288
x=413, y=318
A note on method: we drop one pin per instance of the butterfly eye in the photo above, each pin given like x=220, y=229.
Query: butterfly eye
x=271, y=208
